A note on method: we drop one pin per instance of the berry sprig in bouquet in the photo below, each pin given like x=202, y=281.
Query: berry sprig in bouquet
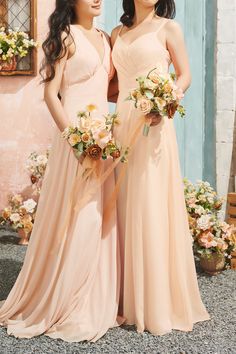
x=157, y=93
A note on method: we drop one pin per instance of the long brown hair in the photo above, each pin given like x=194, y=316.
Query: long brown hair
x=54, y=46
x=163, y=8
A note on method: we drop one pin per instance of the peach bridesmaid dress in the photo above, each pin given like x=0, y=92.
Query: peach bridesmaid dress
x=160, y=290
x=68, y=287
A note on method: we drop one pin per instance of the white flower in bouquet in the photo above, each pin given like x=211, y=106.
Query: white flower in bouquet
x=160, y=103
x=149, y=84
x=42, y=159
x=155, y=77
x=66, y=133
x=15, y=217
x=204, y=222
x=85, y=124
x=74, y=139
x=102, y=137
x=29, y=205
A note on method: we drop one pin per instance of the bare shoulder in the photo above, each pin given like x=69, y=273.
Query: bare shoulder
x=173, y=28
x=115, y=33
x=68, y=39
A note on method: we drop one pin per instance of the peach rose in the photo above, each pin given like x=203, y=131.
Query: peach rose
x=206, y=240
x=85, y=137
x=145, y=105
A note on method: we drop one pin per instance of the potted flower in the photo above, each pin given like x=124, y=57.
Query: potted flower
x=213, y=239
x=13, y=44
x=20, y=215
x=213, y=242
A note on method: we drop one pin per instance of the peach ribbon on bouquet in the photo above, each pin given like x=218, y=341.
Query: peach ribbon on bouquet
x=93, y=170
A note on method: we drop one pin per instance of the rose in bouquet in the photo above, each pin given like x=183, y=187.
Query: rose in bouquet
x=157, y=93
x=93, y=137
x=13, y=44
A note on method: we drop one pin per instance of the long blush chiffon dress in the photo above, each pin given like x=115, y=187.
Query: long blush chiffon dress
x=160, y=290
x=68, y=286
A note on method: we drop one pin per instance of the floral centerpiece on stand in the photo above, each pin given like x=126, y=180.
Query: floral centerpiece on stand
x=20, y=215
x=213, y=238
x=13, y=44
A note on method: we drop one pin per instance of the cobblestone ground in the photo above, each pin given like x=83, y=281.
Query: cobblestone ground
x=217, y=336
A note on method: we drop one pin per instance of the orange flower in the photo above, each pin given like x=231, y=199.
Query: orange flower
x=115, y=154
x=28, y=226
x=6, y=213
x=171, y=109
x=94, y=151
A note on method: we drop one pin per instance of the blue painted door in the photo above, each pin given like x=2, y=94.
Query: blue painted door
x=197, y=153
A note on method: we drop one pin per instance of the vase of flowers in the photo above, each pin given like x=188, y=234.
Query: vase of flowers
x=9, y=64
x=213, y=239
x=36, y=166
x=13, y=44
x=20, y=215
x=213, y=264
x=24, y=236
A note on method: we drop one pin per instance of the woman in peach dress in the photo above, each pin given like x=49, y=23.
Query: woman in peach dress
x=160, y=289
x=68, y=287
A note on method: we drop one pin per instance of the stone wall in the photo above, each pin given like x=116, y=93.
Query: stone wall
x=226, y=96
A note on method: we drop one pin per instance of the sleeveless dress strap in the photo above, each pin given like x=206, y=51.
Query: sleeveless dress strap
x=120, y=29
x=165, y=20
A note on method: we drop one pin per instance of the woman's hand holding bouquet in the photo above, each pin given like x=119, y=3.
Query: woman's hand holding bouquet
x=157, y=96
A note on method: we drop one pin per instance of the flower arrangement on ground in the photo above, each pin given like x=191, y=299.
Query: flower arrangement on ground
x=212, y=236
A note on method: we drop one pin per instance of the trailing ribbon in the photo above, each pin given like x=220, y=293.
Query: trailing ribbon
x=91, y=176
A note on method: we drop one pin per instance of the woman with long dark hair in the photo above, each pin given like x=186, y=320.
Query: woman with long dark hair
x=160, y=290
x=69, y=283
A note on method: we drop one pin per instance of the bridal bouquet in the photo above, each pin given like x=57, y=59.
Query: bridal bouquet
x=93, y=137
x=157, y=93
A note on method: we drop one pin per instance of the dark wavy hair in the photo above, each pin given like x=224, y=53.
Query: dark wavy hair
x=163, y=8
x=54, y=46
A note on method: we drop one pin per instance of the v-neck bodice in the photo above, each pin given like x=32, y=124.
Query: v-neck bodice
x=138, y=56
x=85, y=77
x=86, y=61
